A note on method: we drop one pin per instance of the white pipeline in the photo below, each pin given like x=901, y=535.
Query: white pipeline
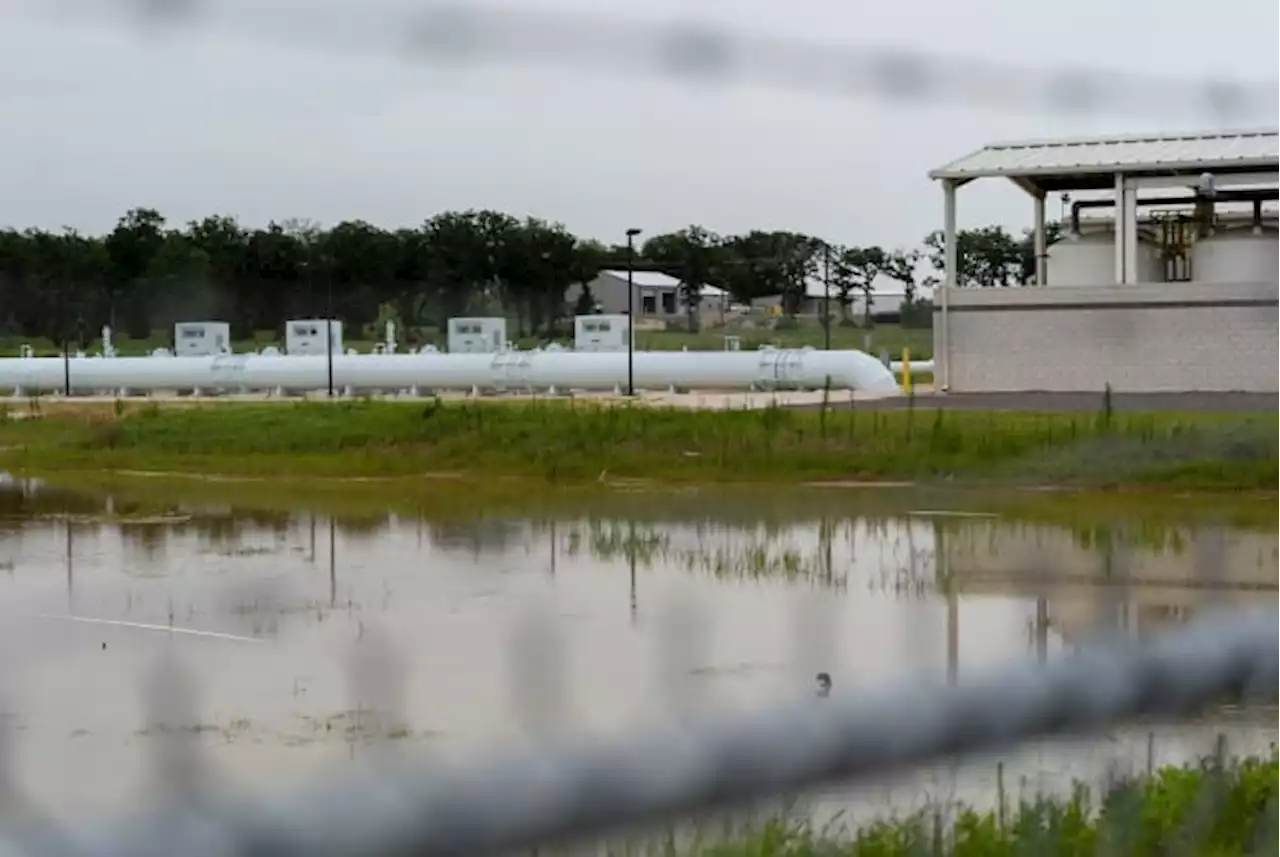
x=766, y=369
x=918, y=367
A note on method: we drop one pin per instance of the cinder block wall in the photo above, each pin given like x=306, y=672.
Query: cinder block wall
x=1143, y=338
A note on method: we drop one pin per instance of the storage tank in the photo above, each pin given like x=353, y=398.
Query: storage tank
x=1089, y=259
x=1236, y=257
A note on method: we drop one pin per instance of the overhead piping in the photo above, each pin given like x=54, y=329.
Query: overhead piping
x=1257, y=197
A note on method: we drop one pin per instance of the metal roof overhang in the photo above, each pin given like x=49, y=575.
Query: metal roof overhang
x=1052, y=180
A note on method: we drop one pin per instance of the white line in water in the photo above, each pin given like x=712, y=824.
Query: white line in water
x=145, y=627
x=941, y=513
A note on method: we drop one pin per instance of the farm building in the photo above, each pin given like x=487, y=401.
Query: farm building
x=887, y=296
x=656, y=295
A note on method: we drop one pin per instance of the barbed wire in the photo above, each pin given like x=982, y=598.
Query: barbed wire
x=461, y=34
x=561, y=790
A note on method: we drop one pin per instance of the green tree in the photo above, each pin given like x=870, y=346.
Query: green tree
x=988, y=256
x=142, y=273
x=358, y=261
x=865, y=265
x=179, y=284
x=691, y=255
x=764, y=264
x=131, y=249
x=1027, y=250
x=277, y=282
x=537, y=267
x=462, y=261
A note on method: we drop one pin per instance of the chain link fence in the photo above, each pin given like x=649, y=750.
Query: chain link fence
x=564, y=790
x=569, y=789
x=696, y=52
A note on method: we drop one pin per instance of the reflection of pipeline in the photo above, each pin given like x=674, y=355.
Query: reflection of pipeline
x=766, y=369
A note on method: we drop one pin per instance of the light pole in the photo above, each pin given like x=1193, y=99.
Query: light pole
x=826, y=300
x=66, y=359
x=631, y=315
x=328, y=329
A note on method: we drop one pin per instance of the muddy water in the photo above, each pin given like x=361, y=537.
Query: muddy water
x=307, y=643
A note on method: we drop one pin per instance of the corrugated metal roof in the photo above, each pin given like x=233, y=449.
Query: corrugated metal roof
x=1137, y=153
x=650, y=279
x=816, y=288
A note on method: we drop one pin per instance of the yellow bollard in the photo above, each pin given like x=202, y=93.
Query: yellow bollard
x=906, y=371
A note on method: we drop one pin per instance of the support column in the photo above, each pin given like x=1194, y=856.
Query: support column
x=1120, y=230
x=1042, y=259
x=951, y=252
x=1130, y=209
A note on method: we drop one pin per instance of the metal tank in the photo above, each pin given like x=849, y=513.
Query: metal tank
x=1090, y=260
x=1236, y=257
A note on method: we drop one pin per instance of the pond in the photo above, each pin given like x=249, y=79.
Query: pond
x=309, y=640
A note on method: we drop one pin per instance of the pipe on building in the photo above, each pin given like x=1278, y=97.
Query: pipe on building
x=918, y=367
x=804, y=368
x=1257, y=197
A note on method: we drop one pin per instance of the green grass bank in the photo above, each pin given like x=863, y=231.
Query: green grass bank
x=567, y=443
x=1208, y=809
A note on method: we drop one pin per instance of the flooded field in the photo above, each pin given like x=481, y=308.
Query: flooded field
x=309, y=642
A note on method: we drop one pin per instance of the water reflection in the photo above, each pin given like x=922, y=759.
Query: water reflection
x=447, y=658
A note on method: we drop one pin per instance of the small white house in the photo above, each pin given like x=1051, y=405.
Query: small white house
x=201, y=338
x=477, y=335
x=600, y=332
x=307, y=336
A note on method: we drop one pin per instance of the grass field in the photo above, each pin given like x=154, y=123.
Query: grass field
x=891, y=338
x=1207, y=810
x=567, y=443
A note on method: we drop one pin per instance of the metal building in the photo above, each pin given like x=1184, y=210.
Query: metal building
x=1176, y=292
x=600, y=332
x=307, y=336
x=201, y=338
x=477, y=335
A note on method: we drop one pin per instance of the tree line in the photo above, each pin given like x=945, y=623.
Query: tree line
x=146, y=274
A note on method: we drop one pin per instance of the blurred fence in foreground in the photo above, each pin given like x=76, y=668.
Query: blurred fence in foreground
x=688, y=50
x=558, y=792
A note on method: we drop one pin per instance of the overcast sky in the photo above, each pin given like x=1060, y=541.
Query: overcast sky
x=98, y=119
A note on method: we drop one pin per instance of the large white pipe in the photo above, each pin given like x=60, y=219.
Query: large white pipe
x=509, y=370
x=918, y=367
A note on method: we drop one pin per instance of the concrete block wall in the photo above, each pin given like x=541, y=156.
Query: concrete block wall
x=1142, y=338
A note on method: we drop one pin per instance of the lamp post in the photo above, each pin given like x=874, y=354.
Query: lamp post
x=631, y=315
x=66, y=352
x=826, y=299
x=328, y=328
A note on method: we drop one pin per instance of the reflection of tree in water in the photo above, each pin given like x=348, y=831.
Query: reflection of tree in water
x=482, y=535
x=1144, y=535
x=752, y=555
x=228, y=528
x=147, y=538
x=23, y=500
x=356, y=527
x=910, y=548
